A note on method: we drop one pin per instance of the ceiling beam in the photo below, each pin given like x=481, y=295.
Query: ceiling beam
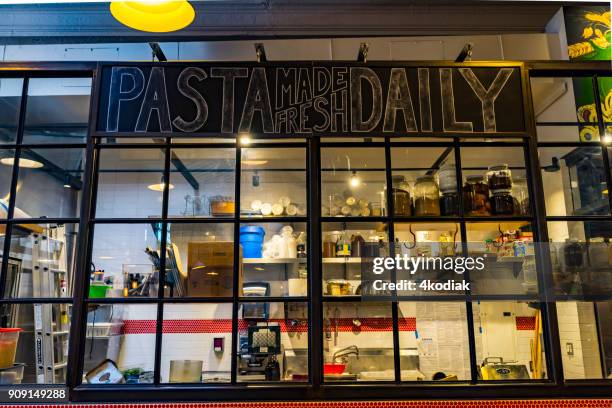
x=259, y=19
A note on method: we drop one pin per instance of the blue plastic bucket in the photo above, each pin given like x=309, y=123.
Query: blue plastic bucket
x=251, y=239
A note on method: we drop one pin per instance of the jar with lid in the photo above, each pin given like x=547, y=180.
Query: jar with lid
x=476, y=196
x=426, y=197
x=449, y=202
x=499, y=177
x=402, y=204
x=520, y=192
x=502, y=203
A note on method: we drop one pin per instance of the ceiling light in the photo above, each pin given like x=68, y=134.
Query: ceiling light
x=23, y=163
x=160, y=186
x=607, y=139
x=254, y=162
x=245, y=140
x=354, y=180
x=154, y=16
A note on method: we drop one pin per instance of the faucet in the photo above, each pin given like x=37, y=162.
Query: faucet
x=347, y=351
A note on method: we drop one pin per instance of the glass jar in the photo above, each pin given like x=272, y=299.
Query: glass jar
x=502, y=203
x=402, y=204
x=449, y=204
x=426, y=197
x=448, y=178
x=499, y=177
x=476, y=197
x=520, y=192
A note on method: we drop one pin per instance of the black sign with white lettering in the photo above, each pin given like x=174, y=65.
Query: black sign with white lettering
x=309, y=99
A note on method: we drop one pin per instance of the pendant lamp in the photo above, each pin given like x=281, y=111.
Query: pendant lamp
x=155, y=16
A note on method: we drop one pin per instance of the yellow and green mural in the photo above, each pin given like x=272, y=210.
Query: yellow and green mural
x=588, y=38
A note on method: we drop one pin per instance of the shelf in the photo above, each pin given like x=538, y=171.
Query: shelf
x=339, y=260
x=273, y=260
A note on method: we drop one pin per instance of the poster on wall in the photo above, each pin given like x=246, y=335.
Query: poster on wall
x=588, y=39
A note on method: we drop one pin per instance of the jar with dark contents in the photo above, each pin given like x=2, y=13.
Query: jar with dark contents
x=402, y=203
x=502, y=203
x=476, y=197
x=426, y=197
x=499, y=177
x=449, y=202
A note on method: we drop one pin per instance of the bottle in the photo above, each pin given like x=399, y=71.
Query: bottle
x=343, y=247
x=301, y=245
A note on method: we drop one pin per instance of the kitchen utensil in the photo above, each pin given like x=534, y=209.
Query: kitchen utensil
x=186, y=371
x=8, y=346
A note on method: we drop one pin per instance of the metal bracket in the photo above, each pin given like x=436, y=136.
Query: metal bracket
x=158, y=52
x=362, y=56
x=260, y=51
x=466, y=53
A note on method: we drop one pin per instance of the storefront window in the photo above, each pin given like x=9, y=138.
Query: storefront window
x=353, y=182
x=203, y=183
x=125, y=261
x=120, y=344
x=272, y=342
x=196, y=343
x=58, y=110
x=509, y=342
x=273, y=182
x=7, y=161
x=10, y=97
x=130, y=183
x=433, y=341
x=357, y=342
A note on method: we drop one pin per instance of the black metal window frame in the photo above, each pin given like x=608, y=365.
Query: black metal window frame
x=316, y=388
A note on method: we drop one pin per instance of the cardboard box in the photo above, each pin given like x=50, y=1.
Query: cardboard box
x=210, y=268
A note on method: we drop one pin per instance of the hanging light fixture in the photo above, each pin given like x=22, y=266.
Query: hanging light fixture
x=160, y=186
x=23, y=163
x=354, y=181
x=155, y=16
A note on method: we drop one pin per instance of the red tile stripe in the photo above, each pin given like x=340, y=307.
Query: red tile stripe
x=525, y=322
x=368, y=324
x=567, y=403
x=189, y=326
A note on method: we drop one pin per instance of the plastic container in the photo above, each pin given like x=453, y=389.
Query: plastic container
x=251, y=239
x=186, y=371
x=8, y=346
x=12, y=375
x=333, y=369
x=98, y=291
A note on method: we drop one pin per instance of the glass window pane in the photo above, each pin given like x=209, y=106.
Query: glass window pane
x=357, y=342
x=273, y=342
x=11, y=90
x=50, y=183
x=435, y=240
x=7, y=159
x=22, y=350
x=563, y=99
x=120, y=344
x=275, y=262
x=353, y=182
x=424, y=181
x=585, y=333
x=203, y=181
x=130, y=183
x=196, y=343
x=58, y=110
x=273, y=182
x=574, y=181
x=439, y=350
x=509, y=343
x=42, y=260
x=200, y=260
x=494, y=181
x=580, y=256
x=125, y=259
x=508, y=253
x=344, y=246
x=568, y=133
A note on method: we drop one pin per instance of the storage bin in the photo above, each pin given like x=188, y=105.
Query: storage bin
x=98, y=291
x=251, y=239
x=8, y=346
x=11, y=376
